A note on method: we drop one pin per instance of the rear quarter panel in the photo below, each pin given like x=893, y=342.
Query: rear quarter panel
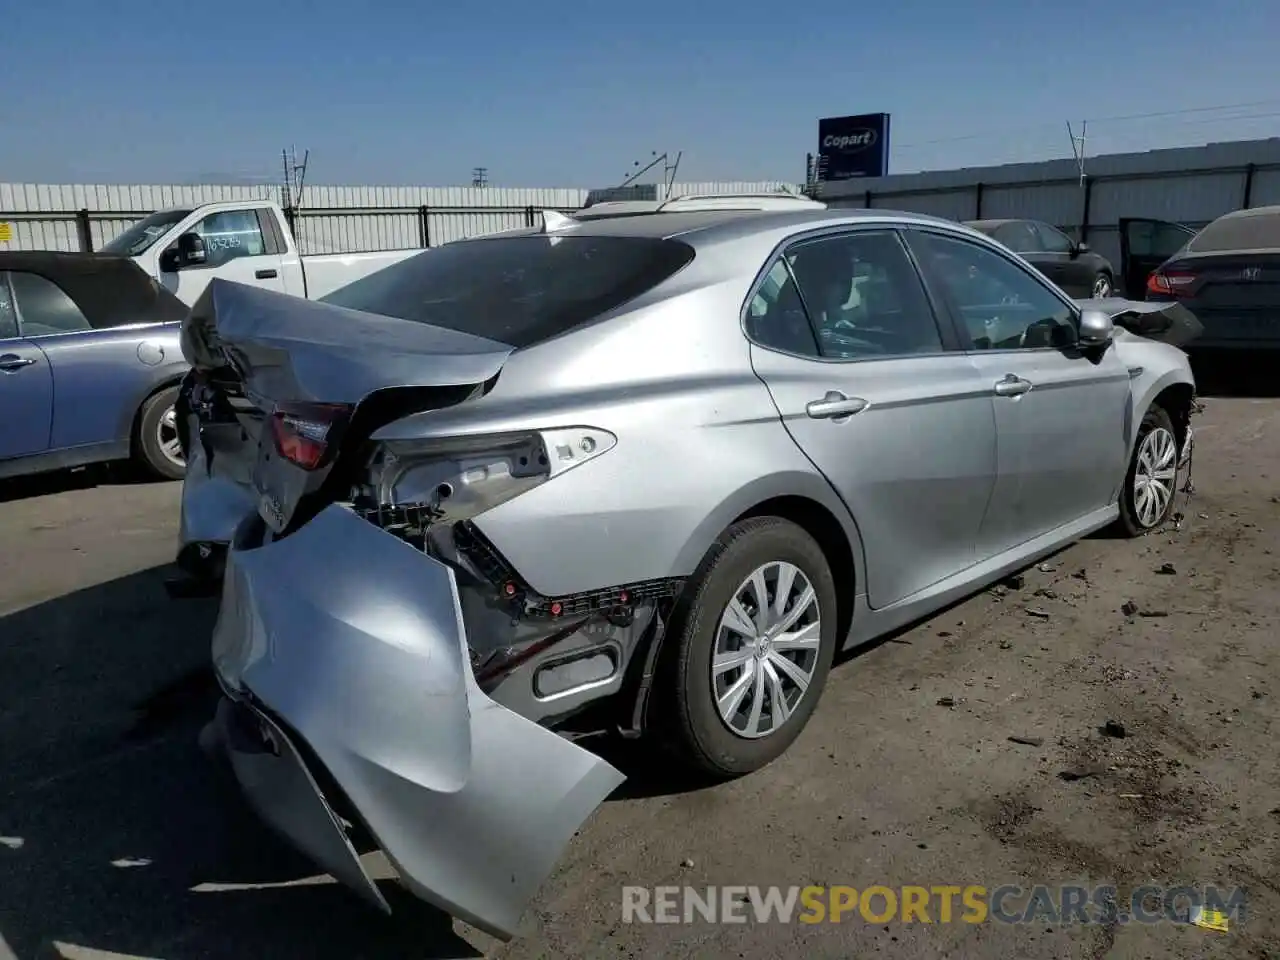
x=700, y=442
x=101, y=377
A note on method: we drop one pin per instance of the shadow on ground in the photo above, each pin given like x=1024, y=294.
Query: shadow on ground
x=1236, y=374
x=65, y=481
x=110, y=815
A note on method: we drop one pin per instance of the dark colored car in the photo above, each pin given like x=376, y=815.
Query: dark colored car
x=1076, y=269
x=1228, y=275
x=89, y=364
x=1145, y=244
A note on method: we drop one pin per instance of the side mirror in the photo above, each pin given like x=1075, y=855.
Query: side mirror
x=1096, y=328
x=191, y=250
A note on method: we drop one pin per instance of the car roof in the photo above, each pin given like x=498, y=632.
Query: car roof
x=713, y=226
x=109, y=289
x=985, y=225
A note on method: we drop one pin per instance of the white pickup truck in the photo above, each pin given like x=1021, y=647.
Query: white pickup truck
x=247, y=241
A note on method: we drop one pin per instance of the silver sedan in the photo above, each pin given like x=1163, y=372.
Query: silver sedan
x=644, y=473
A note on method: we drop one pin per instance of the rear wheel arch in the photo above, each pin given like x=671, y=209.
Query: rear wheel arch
x=136, y=418
x=835, y=533
x=825, y=528
x=144, y=449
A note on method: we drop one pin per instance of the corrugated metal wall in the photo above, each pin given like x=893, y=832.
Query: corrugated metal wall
x=1190, y=185
x=331, y=220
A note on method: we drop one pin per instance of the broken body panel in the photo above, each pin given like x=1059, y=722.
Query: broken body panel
x=366, y=664
x=415, y=679
x=1170, y=323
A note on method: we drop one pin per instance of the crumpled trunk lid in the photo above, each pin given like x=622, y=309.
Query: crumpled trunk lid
x=257, y=352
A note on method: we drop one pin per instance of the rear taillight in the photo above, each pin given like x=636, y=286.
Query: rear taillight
x=456, y=478
x=1171, y=283
x=306, y=433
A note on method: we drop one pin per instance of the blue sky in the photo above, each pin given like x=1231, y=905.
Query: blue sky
x=570, y=93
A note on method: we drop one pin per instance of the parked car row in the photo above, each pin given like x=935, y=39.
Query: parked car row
x=90, y=362
x=644, y=473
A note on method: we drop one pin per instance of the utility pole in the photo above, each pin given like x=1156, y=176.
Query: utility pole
x=295, y=175
x=480, y=176
x=1077, y=151
x=1077, y=145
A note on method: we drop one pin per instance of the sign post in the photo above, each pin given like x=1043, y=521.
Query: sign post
x=852, y=147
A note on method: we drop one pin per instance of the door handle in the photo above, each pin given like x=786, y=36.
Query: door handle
x=11, y=362
x=834, y=406
x=265, y=274
x=1012, y=386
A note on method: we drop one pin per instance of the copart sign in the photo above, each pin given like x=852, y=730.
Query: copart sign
x=851, y=147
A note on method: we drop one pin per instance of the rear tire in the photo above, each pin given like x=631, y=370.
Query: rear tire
x=698, y=719
x=156, y=446
x=1150, y=483
x=1103, y=286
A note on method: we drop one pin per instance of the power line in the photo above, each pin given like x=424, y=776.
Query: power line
x=1097, y=120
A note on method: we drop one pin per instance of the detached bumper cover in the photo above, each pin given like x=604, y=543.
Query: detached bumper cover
x=353, y=640
x=212, y=506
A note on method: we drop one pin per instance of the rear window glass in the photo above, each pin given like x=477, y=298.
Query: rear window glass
x=517, y=290
x=1253, y=231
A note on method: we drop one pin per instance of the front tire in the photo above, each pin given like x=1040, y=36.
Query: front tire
x=751, y=645
x=157, y=446
x=1103, y=286
x=1146, y=500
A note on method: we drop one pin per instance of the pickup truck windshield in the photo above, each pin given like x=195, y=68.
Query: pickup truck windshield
x=144, y=233
x=516, y=290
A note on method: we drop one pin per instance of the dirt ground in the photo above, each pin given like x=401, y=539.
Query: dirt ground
x=116, y=839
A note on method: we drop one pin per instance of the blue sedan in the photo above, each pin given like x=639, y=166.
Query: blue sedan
x=89, y=364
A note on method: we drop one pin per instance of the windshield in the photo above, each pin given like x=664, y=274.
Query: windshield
x=516, y=290
x=144, y=233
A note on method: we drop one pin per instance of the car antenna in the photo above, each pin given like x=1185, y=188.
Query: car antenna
x=553, y=220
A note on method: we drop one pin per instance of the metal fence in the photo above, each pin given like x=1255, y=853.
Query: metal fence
x=1192, y=185
x=322, y=230
x=332, y=220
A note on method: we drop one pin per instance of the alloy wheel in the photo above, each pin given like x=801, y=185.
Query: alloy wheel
x=1101, y=288
x=167, y=437
x=766, y=650
x=1155, y=476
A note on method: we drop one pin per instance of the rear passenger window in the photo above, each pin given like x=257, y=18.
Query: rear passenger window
x=44, y=307
x=861, y=296
x=776, y=316
x=1019, y=236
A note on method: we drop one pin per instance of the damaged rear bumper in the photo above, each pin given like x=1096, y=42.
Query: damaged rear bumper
x=343, y=655
x=212, y=505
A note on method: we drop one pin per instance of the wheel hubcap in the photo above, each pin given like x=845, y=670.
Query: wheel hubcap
x=167, y=437
x=766, y=650
x=1101, y=288
x=1155, y=476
